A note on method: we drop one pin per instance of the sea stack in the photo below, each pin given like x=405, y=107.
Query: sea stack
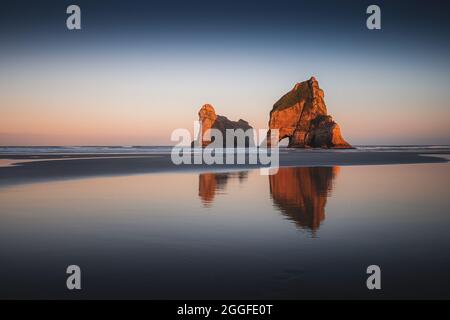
x=210, y=120
x=301, y=115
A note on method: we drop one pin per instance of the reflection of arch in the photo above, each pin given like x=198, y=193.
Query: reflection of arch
x=301, y=193
x=209, y=183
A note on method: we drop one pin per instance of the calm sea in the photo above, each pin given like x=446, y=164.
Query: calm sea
x=303, y=233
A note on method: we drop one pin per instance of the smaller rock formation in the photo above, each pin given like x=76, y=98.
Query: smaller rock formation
x=210, y=120
x=301, y=115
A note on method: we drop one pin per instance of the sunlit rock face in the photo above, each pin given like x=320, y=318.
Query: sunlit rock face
x=301, y=115
x=207, y=117
x=210, y=120
x=301, y=193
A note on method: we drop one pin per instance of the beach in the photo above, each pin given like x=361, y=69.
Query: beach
x=35, y=166
x=140, y=227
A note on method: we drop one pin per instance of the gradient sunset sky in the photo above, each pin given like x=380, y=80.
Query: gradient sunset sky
x=139, y=69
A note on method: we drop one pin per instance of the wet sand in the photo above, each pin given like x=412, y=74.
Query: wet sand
x=310, y=232
x=44, y=167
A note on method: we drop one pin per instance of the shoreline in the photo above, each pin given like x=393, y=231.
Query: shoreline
x=48, y=167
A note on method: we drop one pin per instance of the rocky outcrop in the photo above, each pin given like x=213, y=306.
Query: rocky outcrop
x=210, y=120
x=301, y=115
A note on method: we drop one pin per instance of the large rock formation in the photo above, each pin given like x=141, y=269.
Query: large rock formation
x=210, y=120
x=301, y=115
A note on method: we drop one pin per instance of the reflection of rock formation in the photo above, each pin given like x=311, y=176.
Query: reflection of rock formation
x=210, y=183
x=301, y=115
x=301, y=193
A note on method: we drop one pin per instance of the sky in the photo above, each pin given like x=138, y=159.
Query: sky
x=137, y=70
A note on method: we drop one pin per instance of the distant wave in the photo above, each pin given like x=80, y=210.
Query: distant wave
x=84, y=149
x=406, y=147
x=167, y=149
x=415, y=148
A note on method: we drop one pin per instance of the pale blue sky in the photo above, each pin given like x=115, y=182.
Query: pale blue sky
x=124, y=86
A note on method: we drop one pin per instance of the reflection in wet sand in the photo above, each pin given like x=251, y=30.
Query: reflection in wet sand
x=254, y=242
x=210, y=183
x=301, y=193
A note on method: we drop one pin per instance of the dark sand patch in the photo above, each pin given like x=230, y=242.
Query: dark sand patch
x=43, y=167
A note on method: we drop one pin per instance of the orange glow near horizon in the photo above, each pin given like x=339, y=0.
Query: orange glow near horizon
x=47, y=102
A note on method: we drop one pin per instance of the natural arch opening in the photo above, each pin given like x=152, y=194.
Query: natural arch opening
x=284, y=142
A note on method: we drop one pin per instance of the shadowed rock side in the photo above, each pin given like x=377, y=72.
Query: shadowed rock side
x=210, y=183
x=301, y=115
x=210, y=120
x=301, y=193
